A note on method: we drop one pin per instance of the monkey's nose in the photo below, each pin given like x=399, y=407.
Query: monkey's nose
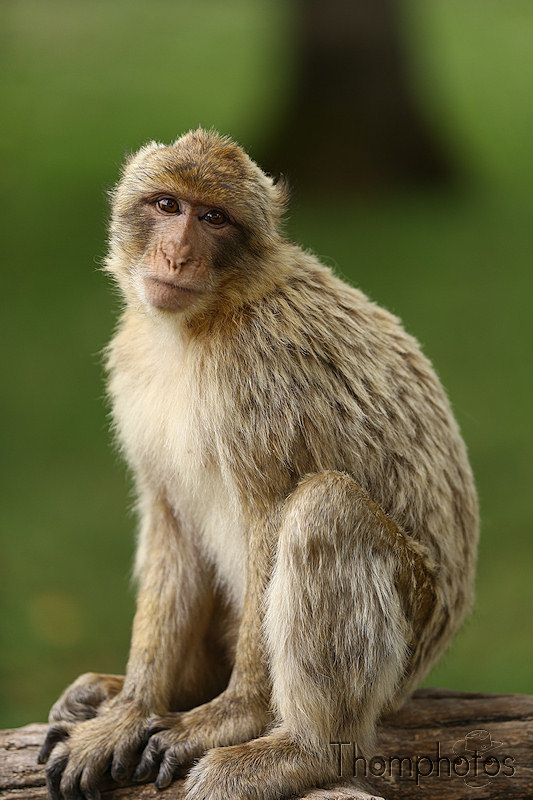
x=177, y=259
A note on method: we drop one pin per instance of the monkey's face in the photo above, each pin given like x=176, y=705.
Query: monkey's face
x=186, y=240
x=188, y=221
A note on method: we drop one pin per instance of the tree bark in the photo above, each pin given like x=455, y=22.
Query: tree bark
x=498, y=728
x=354, y=123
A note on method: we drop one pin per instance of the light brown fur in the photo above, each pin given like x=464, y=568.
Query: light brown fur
x=309, y=517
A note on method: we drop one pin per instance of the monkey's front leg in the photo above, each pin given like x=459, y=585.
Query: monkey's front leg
x=241, y=712
x=169, y=614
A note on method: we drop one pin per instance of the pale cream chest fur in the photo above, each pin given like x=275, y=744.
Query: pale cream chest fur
x=162, y=422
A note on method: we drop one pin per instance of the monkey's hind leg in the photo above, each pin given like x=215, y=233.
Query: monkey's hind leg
x=346, y=586
x=82, y=699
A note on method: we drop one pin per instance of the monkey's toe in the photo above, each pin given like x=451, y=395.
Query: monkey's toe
x=165, y=757
x=72, y=778
x=54, y=773
x=150, y=760
x=84, y=698
x=56, y=733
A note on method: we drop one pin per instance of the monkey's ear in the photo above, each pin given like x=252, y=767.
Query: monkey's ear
x=281, y=193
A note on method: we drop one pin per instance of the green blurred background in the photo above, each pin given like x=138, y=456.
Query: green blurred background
x=81, y=84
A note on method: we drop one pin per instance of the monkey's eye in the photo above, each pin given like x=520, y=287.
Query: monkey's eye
x=168, y=205
x=215, y=217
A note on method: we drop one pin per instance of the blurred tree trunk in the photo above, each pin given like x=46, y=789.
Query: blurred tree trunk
x=354, y=123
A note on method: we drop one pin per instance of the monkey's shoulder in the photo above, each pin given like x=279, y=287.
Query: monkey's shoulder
x=316, y=323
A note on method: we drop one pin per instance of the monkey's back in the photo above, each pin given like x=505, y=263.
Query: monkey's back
x=325, y=379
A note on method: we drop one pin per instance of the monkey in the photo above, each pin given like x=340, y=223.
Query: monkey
x=308, y=514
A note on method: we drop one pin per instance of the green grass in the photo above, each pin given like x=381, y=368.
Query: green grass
x=83, y=83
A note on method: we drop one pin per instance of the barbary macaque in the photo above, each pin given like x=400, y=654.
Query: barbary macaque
x=309, y=520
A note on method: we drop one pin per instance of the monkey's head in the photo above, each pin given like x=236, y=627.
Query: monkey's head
x=192, y=221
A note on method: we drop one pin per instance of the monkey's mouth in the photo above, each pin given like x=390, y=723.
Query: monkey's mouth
x=167, y=295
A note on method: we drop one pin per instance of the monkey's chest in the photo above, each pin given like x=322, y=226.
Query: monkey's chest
x=161, y=419
x=208, y=507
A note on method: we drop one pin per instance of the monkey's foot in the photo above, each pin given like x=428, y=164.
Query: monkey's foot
x=79, y=756
x=177, y=739
x=84, y=697
x=272, y=767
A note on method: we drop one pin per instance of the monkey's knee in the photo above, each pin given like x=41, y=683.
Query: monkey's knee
x=322, y=485
x=82, y=699
x=326, y=508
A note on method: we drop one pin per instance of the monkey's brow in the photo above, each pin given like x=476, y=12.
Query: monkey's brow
x=194, y=199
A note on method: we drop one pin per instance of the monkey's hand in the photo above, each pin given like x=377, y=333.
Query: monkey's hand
x=80, y=756
x=85, y=696
x=177, y=739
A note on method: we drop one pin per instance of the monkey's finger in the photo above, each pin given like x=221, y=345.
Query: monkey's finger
x=56, y=733
x=167, y=770
x=122, y=764
x=54, y=773
x=149, y=762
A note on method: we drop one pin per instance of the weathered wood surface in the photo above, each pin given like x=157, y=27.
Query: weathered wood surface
x=493, y=756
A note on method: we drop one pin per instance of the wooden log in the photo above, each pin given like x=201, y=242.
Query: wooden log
x=441, y=744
